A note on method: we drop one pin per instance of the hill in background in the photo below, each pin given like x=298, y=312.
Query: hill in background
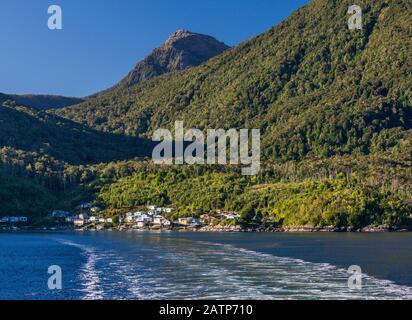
x=42, y=102
x=29, y=130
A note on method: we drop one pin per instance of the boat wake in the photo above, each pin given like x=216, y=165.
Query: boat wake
x=89, y=276
x=169, y=268
x=292, y=278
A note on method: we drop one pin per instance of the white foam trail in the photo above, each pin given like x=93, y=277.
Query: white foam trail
x=330, y=280
x=190, y=269
x=89, y=276
x=130, y=278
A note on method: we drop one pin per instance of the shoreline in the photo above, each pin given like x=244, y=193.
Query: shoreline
x=219, y=229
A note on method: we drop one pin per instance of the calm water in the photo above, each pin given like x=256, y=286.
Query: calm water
x=142, y=265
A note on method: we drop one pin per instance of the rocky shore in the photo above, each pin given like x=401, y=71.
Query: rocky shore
x=303, y=229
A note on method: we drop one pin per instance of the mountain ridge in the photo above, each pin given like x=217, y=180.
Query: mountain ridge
x=42, y=101
x=183, y=49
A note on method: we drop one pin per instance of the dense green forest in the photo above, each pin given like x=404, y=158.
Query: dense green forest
x=340, y=201
x=334, y=107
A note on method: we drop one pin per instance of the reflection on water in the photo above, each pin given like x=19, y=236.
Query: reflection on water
x=175, y=266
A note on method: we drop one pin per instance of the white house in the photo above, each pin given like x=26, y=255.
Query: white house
x=144, y=218
x=93, y=219
x=162, y=221
x=231, y=216
x=14, y=219
x=158, y=220
x=109, y=220
x=152, y=212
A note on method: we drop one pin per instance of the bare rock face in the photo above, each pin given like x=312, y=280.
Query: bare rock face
x=182, y=50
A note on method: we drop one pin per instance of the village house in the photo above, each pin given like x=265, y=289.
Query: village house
x=161, y=221
x=141, y=224
x=138, y=217
x=13, y=220
x=231, y=216
x=144, y=218
x=5, y=220
x=189, y=221
x=79, y=222
x=94, y=219
x=153, y=212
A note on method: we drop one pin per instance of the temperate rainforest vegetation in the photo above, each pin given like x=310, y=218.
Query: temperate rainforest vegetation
x=334, y=107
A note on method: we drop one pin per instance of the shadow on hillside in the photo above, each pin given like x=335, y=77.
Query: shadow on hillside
x=25, y=129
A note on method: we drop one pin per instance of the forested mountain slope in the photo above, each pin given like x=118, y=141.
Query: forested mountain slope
x=314, y=87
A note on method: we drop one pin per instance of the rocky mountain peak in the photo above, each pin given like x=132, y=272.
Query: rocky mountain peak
x=182, y=50
x=178, y=35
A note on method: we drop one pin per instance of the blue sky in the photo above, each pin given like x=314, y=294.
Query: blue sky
x=102, y=40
